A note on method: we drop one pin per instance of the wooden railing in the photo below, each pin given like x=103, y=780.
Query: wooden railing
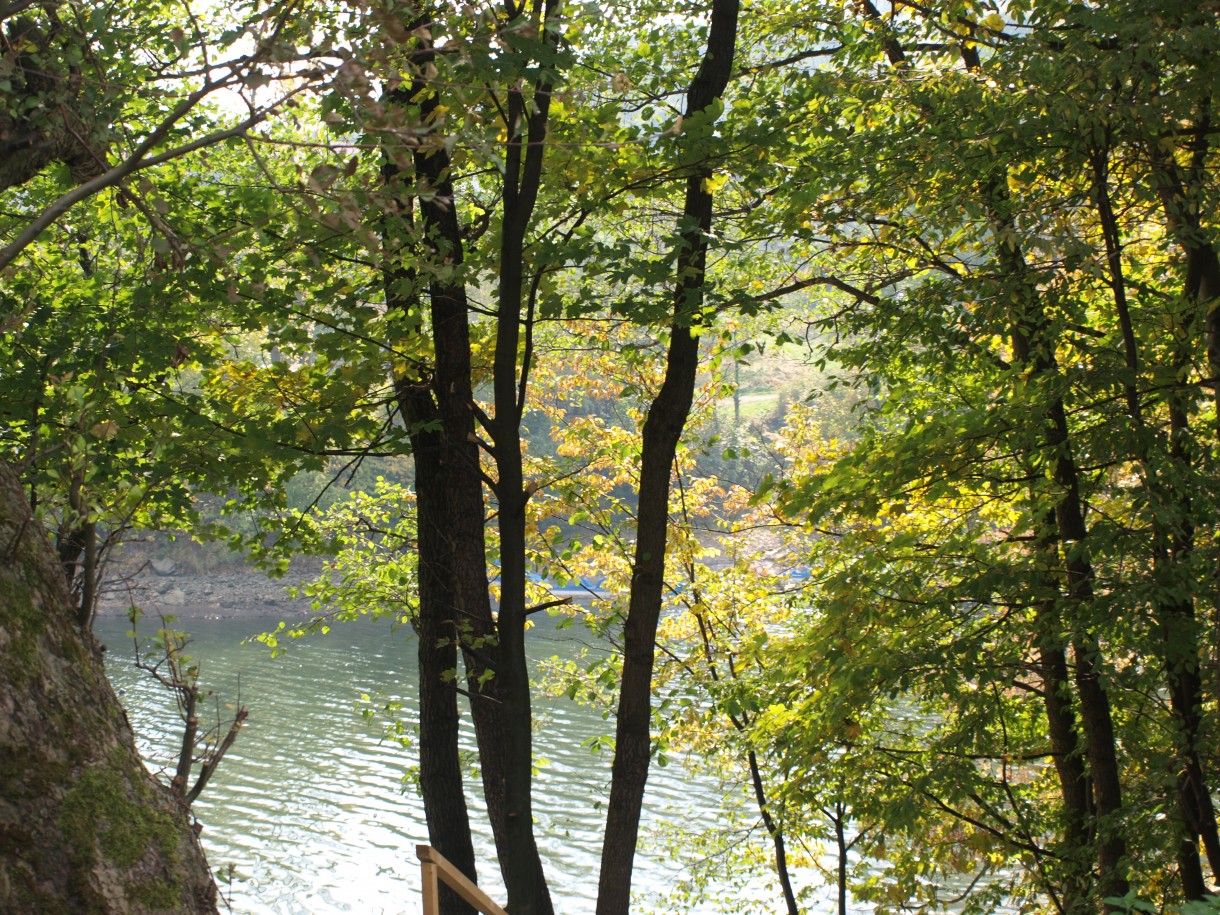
x=437, y=869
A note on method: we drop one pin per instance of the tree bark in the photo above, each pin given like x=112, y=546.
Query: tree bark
x=56, y=124
x=776, y=832
x=454, y=510
x=662, y=429
x=1173, y=536
x=526, y=133
x=83, y=826
x=1075, y=881
x=441, y=779
x=454, y=610
x=1032, y=350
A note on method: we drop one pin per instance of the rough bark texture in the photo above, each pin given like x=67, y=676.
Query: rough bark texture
x=1179, y=196
x=439, y=754
x=1075, y=875
x=454, y=599
x=83, y=826
x=59, y=128
x=452, y=500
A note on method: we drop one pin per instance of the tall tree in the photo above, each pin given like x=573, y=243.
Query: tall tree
x=999, y=294
x=662, y=430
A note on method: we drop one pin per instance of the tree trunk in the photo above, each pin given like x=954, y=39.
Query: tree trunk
x=454, y=509
x=39, y=81
x=1035, y=352
x=1173, y=536
x=441, y=781
x=83, y=826
x=525, y=148
x=662, y=430
x=1182, y=661
x=775, y=831
x=1075, y=880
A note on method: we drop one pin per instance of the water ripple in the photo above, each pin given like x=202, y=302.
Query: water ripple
x=308, y=814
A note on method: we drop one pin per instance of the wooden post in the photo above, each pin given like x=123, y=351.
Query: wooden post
x=432, y=900
x=434, y=866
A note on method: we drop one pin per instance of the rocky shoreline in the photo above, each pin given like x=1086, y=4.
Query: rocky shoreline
x=160, y=588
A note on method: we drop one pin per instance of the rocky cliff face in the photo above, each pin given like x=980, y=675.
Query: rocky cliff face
x=83, y=826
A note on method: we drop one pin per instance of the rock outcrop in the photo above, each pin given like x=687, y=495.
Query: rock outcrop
x=83, y=827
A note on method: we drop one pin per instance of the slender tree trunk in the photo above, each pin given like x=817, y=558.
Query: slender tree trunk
x=441, y=779
x=460, y=504
x=662, y=430
x=1182, y=206
x=1028, y=322
x=1029, y=326
x=439, y=755
x=741, y=724
x=1182, y=217
x=89, y=578
x=74, y=542
x=1173, y=536
x=454, y=607
x=1076, y=879
x=494, y=654
x=76, y=545
x=526, y=132
x=776, y=834
x=1033, y=350
x=1095, y=712
x=841, y=848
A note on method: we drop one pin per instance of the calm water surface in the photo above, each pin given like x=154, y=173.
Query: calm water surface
x=308, y=812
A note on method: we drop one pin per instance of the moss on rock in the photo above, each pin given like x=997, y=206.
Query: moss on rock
x=105, y=811
x=22, y=622
x=156, y=895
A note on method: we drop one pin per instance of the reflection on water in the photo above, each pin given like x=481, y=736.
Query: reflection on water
x=308, y=813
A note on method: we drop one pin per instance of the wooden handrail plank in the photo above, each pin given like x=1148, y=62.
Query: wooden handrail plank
x=433, y=861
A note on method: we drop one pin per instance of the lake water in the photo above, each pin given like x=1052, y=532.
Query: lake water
x=308, y=813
